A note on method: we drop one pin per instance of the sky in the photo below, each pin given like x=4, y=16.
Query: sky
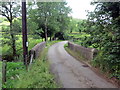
x=79, y=7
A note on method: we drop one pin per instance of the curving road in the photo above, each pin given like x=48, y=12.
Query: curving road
x=71, y=73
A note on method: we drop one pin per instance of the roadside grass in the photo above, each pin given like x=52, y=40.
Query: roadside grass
x=38, y=75
x=13, y=71
x=0, y=74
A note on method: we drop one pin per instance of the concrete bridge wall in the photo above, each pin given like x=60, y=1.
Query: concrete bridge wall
x=37, y=49
x=87, y=53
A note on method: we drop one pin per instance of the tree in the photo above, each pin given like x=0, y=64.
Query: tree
x=10, y=10
x=50, y=17
x=73, y=25
x=104, y=28
x=45, y=12
x=82, y=25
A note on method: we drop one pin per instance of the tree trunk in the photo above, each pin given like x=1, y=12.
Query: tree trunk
x=50, y=38
x=46, y=29
x=13, y=40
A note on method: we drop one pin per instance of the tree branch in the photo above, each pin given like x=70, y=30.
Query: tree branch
x=3, y=14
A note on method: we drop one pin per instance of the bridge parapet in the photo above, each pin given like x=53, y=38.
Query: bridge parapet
x=36, y=50
x=87, y=53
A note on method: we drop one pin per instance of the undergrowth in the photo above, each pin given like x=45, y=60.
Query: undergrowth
x=0, y=74
x=38, y=75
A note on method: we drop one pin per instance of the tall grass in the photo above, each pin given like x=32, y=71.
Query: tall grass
x=14, y=69
x=0, y=74
x=38, y=75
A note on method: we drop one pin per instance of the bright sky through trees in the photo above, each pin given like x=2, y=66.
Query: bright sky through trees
x=79, y=7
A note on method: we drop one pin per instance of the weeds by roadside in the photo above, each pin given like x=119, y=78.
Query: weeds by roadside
x=0, y=74
x=38, y=75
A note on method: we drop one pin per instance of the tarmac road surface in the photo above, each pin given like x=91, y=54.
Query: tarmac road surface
x=71, y=73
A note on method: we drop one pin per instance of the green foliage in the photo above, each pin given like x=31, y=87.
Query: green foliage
x=49, y=18
x=57, y=21
x=33, y=42
x=7, y=40
x=6, y=49
x=11, y=10
x=82, y=25
x=14, y=69
x=0, y=74
x=79, y=35
x=66, y=45
x=38, y=75
x=103, y=25
x=77, y=25
x=17, y=26
x=78, y=38
x=73, y=25
x=101, y=31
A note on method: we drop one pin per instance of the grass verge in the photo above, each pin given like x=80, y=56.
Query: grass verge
x=0, y=75
x=38, y=75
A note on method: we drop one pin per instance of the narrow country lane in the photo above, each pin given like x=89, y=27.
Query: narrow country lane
x=70, y=72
